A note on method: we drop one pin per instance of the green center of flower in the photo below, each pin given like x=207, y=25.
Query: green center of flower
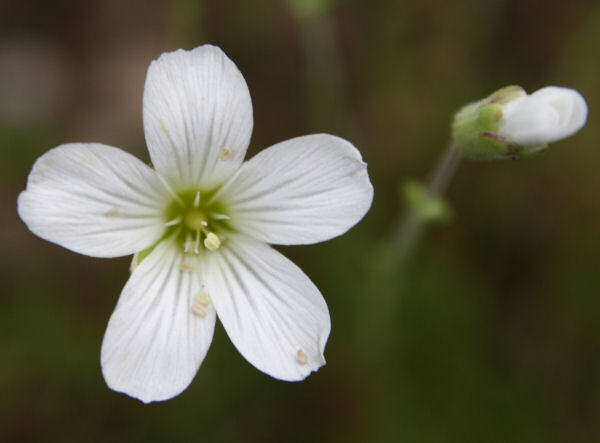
x=197, y=221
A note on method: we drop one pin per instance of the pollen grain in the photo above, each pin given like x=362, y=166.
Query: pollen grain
x=301, y=356
x=225, y=154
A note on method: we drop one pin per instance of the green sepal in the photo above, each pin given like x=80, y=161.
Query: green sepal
x=475, y=128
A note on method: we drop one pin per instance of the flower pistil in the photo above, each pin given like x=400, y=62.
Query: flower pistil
x=195, y=219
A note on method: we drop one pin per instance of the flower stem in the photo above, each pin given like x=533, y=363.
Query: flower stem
x=411, y=226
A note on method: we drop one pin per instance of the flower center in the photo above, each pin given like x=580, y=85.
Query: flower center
x=196, y=221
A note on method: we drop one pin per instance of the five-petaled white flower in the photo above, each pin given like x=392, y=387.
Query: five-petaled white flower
x=199, y=224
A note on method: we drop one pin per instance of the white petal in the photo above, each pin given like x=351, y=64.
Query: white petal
x=94, y=199
x=154, y=343
x=304, y=190
x=274, y=315
x=197, y=116
x=546, y=116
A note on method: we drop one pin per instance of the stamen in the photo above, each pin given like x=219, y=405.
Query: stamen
x=201, y=303
x=186, y=266
x=203, y=298
x=301, y=356
x=225, y=154
x=197, y=243
x=188, y=244
x=220, y=217
x=174, y=222
x=212, y=242
x=199, y=310
x=197, y=199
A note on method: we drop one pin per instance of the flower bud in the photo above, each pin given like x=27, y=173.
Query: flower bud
x=511, y=124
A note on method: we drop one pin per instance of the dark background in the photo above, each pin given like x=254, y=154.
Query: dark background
x=491, y=332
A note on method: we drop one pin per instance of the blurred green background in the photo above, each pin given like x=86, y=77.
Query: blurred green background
x=490, y=333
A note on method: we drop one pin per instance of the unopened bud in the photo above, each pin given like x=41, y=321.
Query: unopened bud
x=512, y=124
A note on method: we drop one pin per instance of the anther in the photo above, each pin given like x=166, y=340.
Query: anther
x=203, y=298
x=186, y=266
x=225, y=154
x=199, y=310
x=301, y=356
x=212, y=242
x=201, y=303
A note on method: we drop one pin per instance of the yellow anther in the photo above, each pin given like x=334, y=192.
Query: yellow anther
x=199, y=310
x=201, y=303
x=212, y=242
x=225, y=154
x=301, y=356
x=186, y=266
x=203, y=298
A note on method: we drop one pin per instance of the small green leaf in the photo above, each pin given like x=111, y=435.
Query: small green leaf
x=427, y=207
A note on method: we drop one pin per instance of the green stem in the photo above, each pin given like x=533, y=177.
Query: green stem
x=410, y=228
x=385, y=263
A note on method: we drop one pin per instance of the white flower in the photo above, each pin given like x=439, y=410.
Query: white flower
x=200, y=223
x=546, y=116
x=511, y=124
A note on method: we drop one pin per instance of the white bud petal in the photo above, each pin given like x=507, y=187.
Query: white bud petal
x=546, y=116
